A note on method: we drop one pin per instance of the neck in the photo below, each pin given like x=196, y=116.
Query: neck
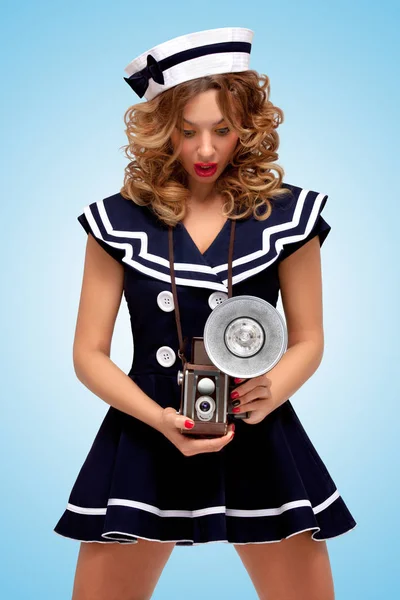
x=205, y=200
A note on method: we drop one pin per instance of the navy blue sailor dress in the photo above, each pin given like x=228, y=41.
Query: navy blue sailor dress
x=269, y=482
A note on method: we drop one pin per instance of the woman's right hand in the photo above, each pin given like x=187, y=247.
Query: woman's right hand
x=172, y=422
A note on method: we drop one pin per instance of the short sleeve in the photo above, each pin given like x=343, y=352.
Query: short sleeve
x=92, y=222
x=319, y=226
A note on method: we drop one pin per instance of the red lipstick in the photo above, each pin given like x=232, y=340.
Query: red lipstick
x=205, y=169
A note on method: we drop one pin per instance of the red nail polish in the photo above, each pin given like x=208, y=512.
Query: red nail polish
x=234, y=395
x=237, y=380
x=189, y=424
x=236, y=410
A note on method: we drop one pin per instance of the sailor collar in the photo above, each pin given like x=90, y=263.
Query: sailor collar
x=134, y=235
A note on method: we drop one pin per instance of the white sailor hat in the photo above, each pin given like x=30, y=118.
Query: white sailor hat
x=222, y=50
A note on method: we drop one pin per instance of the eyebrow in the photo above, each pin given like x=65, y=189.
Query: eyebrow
x=217, y=123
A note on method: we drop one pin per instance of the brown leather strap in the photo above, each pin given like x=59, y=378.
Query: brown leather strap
x=182, y=340
x=175, y=295
x=230, y=258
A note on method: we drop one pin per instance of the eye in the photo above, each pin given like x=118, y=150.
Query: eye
x=223, y=131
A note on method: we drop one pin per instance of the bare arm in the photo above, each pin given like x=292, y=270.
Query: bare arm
x=100, y=300
x=301, y=290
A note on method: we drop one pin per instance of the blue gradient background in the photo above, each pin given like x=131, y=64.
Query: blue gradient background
x=333, y=71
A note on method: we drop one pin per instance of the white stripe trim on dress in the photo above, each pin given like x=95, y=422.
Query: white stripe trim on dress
x=212, y=510
x=135, y=538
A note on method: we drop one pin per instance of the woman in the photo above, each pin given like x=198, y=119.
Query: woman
x=146, y=486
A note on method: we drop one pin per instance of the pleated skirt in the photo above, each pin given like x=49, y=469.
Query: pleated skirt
x=269, y=483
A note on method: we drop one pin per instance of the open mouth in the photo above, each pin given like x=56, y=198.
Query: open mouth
x=205, y=169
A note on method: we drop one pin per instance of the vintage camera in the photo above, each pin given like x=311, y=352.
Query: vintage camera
x=244, y=336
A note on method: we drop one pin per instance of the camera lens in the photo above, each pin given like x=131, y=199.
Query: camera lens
x=204, y=406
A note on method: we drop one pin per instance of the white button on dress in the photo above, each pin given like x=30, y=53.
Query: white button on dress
x=165, y=301
x=166, y=356
x=216, y=298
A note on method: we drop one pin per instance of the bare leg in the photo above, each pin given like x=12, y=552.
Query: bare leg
x=114, y=571
x=297, y=568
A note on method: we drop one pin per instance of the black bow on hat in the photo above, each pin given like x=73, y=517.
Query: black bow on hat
x=139, y=81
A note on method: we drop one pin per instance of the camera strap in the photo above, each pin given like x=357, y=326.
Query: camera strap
x=174, y=292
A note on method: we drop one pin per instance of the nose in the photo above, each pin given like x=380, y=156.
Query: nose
x=206, y=149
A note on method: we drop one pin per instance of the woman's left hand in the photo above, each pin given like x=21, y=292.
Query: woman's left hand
x=255, y=396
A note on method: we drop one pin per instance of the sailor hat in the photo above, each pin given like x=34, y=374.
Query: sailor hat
x=222, y=50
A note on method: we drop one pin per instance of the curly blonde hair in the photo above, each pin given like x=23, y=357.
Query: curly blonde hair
x=154, y=177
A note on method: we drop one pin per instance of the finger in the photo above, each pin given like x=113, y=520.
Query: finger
x=249, y=406
x=256, y=417
x=171, y=417
x=177, y=420
x=262, y=392
x=219, y=439
x=186, y=423
x=182, y=422
x=250, y=384
x=211, y=444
